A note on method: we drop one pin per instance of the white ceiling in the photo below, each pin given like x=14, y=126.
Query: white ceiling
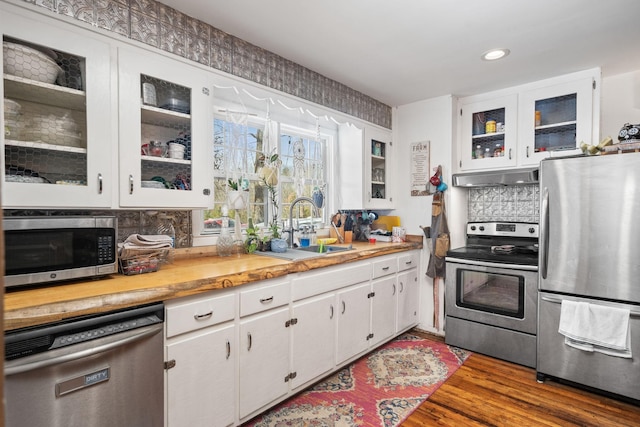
x=403, y=51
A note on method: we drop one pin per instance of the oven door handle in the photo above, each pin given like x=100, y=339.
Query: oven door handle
x=117, y=340
x=544, y=235
x=491, y=264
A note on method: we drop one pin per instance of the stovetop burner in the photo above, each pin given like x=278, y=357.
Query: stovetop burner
x=500, y=242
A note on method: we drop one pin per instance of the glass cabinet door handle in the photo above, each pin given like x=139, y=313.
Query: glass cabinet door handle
x=527, y=151
x=509, y=153
x=99, y=183
x=130, y=184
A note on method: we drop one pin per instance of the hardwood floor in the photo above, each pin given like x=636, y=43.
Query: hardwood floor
x=489, y=392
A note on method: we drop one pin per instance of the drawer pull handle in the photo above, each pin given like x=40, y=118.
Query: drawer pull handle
x=408, y=262
x=385, y=268
x=266, y=300
x=331, y=306
x=632, y=313
x=228, y=349
x=203, y=316
x=249, y=340
x=344, y=307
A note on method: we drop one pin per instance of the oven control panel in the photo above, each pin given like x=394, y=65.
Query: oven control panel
x=510, y=229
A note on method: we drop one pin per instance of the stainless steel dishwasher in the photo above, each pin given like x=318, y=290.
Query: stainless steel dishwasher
x=98, y=371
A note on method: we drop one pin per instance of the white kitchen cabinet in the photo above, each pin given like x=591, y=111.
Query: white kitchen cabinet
x=365, y=159
x=484, y=146
x=57, y=135
x=408, y=299
x=165, y=101
x=264, y=359
x=555, y=118
x=383, y=309
x=201, y=385
x=200, y=358
x=354, y=314
x=313, y=340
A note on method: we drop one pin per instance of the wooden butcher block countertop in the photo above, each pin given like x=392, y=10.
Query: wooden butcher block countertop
x=193, y=271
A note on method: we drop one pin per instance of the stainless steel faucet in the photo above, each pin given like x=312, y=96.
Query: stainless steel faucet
x=295, y=202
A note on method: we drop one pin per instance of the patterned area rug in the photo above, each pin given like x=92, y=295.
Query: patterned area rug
x=379, y=390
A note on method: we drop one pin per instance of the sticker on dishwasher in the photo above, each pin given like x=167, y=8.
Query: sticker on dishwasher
x=83, y=381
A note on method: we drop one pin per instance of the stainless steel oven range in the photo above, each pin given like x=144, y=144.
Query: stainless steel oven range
x=491, y=291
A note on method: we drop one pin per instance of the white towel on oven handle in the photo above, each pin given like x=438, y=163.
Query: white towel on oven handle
x=594, y=327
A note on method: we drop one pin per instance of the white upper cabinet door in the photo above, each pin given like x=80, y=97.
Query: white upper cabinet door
x=58, y=115
x=488, y=134
x=166, y=132
x=365, y=168
x=555, y=118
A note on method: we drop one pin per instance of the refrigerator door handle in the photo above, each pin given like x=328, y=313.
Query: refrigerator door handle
x=544, y=235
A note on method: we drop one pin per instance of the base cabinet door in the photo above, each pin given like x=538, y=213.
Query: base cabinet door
x=383, y=309
x=313, y=338
x=354, y=310
x=264, y=359
x=408, y=299
x=201, y=385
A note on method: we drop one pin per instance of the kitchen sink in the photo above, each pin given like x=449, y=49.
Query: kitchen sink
x=306, y=252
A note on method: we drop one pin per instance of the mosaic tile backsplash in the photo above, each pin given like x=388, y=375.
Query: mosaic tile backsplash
x=511, y=203
x=165, y=28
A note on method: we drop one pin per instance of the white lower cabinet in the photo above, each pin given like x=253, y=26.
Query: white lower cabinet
x=408, y=299
x=383, y=309
x=200, y=361
x=314, y=332
x=354, y=311
x=232, y=354
x=201, y=385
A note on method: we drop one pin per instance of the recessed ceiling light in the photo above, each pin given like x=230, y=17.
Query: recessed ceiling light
x=494, y=54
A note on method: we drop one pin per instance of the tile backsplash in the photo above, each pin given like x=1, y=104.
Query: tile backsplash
x=509, y=203
x=129, y=222
x=169, y=30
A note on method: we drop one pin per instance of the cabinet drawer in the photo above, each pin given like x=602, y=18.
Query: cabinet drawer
x=310, y=284
x=264, y=297
x=407, y=261
x=384, y=267
x=200, y=313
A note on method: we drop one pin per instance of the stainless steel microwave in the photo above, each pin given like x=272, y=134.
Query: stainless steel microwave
x=40, y=250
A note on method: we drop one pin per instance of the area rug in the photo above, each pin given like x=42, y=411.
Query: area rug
x=379, y=390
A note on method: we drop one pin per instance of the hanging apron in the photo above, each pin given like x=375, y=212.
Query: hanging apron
x=438, y=237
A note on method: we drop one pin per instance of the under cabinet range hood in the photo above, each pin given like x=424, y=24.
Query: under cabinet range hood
x=496, y=178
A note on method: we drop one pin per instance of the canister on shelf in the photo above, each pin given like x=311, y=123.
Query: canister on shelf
x=490, y=126
x=538, y=121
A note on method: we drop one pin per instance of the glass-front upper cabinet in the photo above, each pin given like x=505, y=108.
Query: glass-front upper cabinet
x=57, y=116
x=166, y=133
x=488, y=135
x=378, y=151
x=555, y=118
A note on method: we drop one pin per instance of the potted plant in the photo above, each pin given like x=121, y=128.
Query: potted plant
x=238, y=193
x=268, y=174
x=252, y=239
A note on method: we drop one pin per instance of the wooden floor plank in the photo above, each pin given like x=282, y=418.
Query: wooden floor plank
x=489, y=392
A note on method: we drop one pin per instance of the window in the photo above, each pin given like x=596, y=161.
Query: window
x=239, y=152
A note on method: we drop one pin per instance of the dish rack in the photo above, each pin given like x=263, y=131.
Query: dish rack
x=140, y=261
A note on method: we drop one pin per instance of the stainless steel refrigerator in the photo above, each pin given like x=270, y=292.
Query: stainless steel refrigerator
x=590, y=253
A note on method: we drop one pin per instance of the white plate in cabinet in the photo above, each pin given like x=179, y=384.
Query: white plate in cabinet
x=410, y=260
x=198, y=314
x=385, y=267
x=264, y=297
